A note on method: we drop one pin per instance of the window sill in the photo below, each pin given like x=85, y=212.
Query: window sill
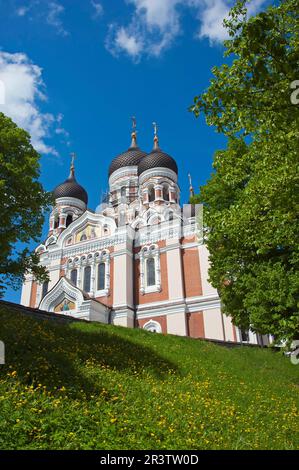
x=102, y=293
x=150, y=290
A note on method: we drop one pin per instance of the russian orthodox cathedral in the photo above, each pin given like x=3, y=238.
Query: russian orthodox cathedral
x=138, y=261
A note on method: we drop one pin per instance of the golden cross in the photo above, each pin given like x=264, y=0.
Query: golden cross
x=73, y=155
x=133, y=123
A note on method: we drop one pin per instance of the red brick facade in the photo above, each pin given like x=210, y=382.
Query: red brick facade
x=191, y=272
x=196, y=325
x=33, y=294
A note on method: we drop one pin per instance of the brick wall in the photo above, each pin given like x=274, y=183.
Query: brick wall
x=33, y=294
x=191, y=272
x=196, y=325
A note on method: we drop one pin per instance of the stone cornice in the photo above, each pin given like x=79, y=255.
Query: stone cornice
x=189, y=302
x=71, y=201
x=98, y=245
x=122, y=172
x=158, y=172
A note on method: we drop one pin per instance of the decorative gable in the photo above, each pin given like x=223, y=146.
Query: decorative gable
x=64, y=298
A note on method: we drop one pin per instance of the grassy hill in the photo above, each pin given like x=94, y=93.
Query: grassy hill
x=93, y=386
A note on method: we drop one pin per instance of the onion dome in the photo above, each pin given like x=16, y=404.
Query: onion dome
x=71, y=188
x=157, y=158
x=130, y=157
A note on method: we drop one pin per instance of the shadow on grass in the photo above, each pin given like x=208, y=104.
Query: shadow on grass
x=55, y=356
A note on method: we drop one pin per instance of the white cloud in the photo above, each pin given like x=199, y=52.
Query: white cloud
x=155, y=24
x=156, y=13
x=53, y=17
x=130, y=43
x=61, y=131
x=43, y=10
x=211, y=14
x=24, y=90
x=98, y=9
x=22, y=11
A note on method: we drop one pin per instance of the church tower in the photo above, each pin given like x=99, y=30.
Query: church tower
x=70, y=202
x=158, y=177
x=123, y=181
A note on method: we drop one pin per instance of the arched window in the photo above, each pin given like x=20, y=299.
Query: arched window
x=87, y=276
x=56, y=221
x=165, y=193
x=45, y=289
x=83, y=237
x=74, y=276
x=150, y=272
x=101, y=276
x=153, y=326
x=151, y=194
x=69, y=220
x=123, y=191
x=170, y=216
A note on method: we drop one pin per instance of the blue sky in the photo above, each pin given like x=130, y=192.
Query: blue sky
x=75, y=72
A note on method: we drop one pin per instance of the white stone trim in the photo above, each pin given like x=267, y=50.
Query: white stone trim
x=71, y=201
x=145, y=235
x=160, y=311
x=52, y=240
x=87, y=309
x=203, y=301
x=122, y=306
x=92, y=260
x=61, y=290
x=152, y=324
x=104, y=257
x=158, y=172
x=80, y=222
x=41, y=248
x=145, y=254
x=122, y=172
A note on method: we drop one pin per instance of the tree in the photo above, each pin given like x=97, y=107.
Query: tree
x=22, y=202
x=251, y=200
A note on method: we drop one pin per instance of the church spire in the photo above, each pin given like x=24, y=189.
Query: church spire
x=191, y=190
x=72, y=168
x=156, y=138
x=134, y=133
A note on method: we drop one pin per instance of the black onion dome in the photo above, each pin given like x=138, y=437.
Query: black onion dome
x=157, y=158
x=131, y=157
x=70, y=188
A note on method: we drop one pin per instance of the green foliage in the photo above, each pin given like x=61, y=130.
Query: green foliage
x=92, y=386
x=22, y=202
x=251, y=200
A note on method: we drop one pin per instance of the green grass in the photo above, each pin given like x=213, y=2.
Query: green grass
x=93, y=386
